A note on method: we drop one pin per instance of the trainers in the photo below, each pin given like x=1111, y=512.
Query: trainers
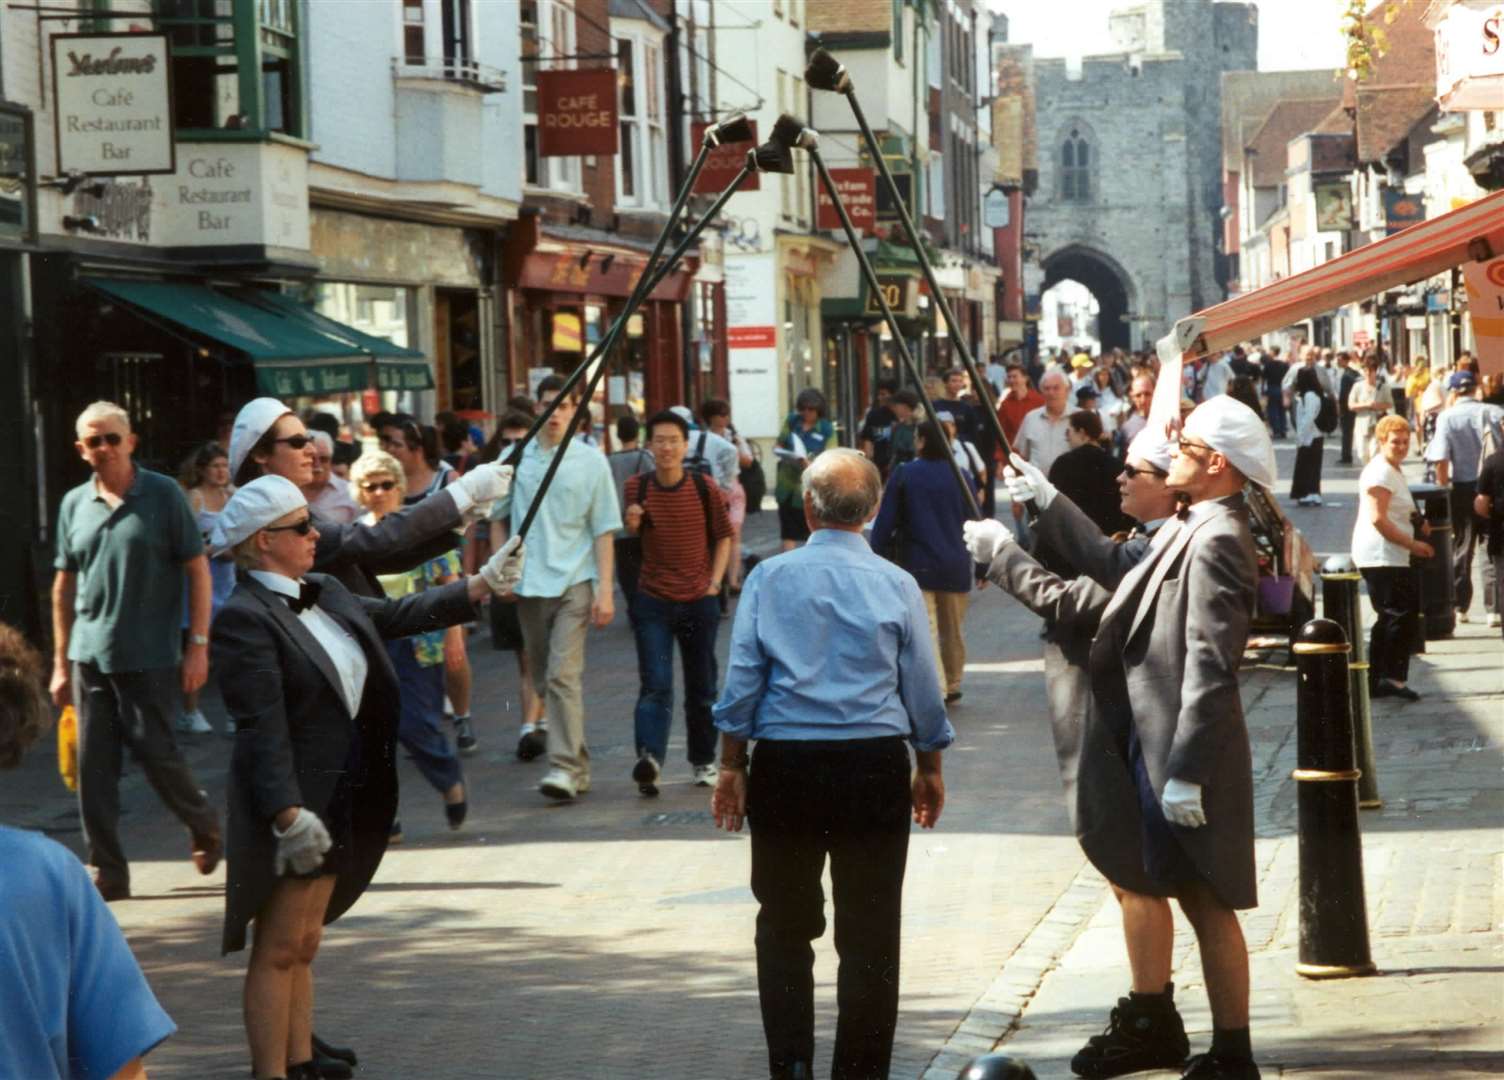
x=1137, y=1037
x=533, y=741
x=1496, y=620
x=558, y=784
x=194, y=723
x=705, y=775
x=464, y=735
x=1215, y=1067
x=645, y=773
x=1462, y=616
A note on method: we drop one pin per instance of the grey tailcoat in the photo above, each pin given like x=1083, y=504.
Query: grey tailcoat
x=294, y=732
x=1163, y=661
x=1077, y=540
x=355, y=553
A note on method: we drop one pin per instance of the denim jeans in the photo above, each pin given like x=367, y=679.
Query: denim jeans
x=657, y=624
x=419, y=725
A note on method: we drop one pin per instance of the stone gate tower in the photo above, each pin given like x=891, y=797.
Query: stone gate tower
x=1130, y=159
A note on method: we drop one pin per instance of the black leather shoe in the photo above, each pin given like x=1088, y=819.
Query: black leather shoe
x=323, y=1049
x=797, y=1071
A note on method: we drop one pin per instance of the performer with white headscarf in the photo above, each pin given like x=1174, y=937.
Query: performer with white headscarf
x=1164, y=798
x=313, y=782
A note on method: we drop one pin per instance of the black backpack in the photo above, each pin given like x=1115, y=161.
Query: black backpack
x=1326, y=416
x=697, y=464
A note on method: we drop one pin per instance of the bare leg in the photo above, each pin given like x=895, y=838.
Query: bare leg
x=457, y=681
x=734, y=564
x=532, y=703
x=1224, y=955
x=1149, y=933
x=273, y=973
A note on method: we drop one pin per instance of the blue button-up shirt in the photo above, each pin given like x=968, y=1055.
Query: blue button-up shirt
x=579, y=505
x=1459, y=437
x=832, y=642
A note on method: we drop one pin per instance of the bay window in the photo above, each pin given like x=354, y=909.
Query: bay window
x=642, y=160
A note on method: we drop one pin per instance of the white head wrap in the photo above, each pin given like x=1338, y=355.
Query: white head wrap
x=683, y=413
x=252, y=508
x=1150, y=445
x=1235, y=431
x=253, y=421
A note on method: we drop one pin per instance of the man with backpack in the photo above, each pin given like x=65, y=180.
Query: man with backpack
x=681, y=517
x=708, y=453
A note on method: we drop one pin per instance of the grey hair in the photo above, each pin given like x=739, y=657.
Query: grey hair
x=101, y=410
x=322, y=440
x=843, y=486
x=1052, y=373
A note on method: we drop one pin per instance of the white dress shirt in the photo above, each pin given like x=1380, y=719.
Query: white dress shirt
x=343, y=651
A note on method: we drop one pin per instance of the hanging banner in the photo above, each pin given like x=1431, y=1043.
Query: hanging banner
x=858, y=190
x=1485, y=307
x=113, y=94
x=724, y=162
x=577, y=112
x=1401, y=210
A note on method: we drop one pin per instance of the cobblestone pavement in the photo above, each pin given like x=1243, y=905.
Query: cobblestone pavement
x=613, y=937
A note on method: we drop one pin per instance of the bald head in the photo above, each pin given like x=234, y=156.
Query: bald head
x=841, y=489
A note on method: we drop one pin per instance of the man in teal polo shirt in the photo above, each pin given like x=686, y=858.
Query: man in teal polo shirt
x=567, y=583
x=126, y=540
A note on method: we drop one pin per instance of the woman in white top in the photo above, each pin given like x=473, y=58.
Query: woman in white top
x=1310, y=441
x=1383, y=542
x=1370, y=400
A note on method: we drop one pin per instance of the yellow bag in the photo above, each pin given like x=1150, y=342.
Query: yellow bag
x=67, y=747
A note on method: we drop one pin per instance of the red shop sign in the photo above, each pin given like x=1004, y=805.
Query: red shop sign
x=858, y=191
x=577, y=112
x=724, y=162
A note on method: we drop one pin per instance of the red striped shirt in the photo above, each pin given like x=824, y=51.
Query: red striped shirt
x=676, y=557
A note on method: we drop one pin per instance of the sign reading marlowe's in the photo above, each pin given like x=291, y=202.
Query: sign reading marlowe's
x=113, y=94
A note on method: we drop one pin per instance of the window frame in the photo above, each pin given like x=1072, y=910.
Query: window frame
x=556, y=175
x=648, y=134
x=1076, y=183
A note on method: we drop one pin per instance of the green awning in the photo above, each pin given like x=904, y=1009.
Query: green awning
x=295, y=351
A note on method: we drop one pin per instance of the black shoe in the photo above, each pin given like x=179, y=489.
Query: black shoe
x=1215, y=1067
x=532, y=743
x=797, y=1071
x=1138, y=1037
x=321, y=1049
x=464, y=736
x=953, y=697
x=455, y=812
x=645, y=773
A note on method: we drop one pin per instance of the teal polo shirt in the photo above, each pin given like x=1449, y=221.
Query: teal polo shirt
x=128, y=608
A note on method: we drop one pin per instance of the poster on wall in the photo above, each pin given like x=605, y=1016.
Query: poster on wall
x=752, y=343
x=113, y=94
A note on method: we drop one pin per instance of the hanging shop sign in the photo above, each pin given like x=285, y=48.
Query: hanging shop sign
x=899, y=292
x=1334, y=206
x=724, y=162
x=1401, y=210
x=113, y=95
x=1469, y=56
x=577, y=112
x=858, y=190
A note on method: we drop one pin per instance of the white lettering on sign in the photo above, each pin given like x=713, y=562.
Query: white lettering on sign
x=114, y=113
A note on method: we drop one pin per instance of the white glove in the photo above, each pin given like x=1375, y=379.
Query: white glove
x=302, y=847
x=1027, y=483
x=475, y=491
x=503, y=571
x=1181, y=803
x=984, y=539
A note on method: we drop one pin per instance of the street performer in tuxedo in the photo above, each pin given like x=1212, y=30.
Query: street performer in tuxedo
x=313, y=783
x=1164, y=796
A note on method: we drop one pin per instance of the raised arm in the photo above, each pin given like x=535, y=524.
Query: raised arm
x=396, y=543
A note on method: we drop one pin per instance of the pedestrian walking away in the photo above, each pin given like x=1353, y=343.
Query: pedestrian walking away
x=1466, y=429
x=830, y=774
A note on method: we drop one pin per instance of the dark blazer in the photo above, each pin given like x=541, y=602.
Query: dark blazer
x=294, y=733
x=356, y=553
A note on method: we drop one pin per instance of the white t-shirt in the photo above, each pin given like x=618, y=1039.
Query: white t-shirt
x=1369, y=547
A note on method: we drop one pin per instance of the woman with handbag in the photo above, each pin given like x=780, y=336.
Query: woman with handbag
x=918, y=526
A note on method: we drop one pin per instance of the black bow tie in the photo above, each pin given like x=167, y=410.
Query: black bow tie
x=308, y=595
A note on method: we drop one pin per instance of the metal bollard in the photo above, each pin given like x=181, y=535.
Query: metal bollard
x=1333, y=914
x=1339, y=602
x=995, y=1067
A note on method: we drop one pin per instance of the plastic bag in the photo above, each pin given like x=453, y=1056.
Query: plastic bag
x=67, y=747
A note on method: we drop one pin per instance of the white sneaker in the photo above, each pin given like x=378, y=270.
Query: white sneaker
x=706, y=775
x=1462, y=616
x=558, y=784
x=1496, y=619
x=194, y=723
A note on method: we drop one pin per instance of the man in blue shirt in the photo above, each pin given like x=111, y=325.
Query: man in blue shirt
x=831, y=775
x=1456, y=450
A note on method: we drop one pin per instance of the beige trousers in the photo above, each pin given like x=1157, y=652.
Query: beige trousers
x=553, y=632
x=947, y=611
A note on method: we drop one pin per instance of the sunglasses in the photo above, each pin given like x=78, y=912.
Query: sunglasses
x=378, y=485
x=1130, y=472
x=297, y=442
x=302, y=528
x=111, y=438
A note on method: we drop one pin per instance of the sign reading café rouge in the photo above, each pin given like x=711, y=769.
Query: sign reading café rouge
x=858, y=191
x=577, y=112
x=724, y=162
x=113, y=94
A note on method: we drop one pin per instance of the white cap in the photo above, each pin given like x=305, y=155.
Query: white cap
x=252, y=508
x=1235, y=431
x=683, y=413
x=254, y=420
x=1151, y=446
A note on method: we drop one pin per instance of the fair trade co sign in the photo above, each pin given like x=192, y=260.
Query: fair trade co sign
x=113, y=98
x=577, y=112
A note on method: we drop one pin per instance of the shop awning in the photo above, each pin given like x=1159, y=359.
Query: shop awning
x=1475, y=231
x=294, y=350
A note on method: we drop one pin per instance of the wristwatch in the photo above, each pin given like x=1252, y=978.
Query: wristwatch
x=198, y=639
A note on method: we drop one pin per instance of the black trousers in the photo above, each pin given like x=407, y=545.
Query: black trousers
x=1464, y=540
x=1307, y=476
x=848, y=800
x=1391, y=590
x=1348, y=421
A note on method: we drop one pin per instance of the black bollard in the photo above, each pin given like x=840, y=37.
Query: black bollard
x=1339, y=602
x=1438, y=595
x=995, y=1067
x=1333, y=914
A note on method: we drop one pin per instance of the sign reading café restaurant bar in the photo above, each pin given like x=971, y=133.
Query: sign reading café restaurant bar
x=577, y=112
x=113, y=94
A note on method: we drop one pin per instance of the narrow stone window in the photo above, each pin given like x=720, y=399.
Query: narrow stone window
x=1075, y=168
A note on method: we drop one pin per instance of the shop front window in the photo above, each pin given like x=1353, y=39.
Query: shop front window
x=383, y=311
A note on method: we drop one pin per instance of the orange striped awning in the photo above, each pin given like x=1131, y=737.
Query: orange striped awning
x=1475, y=231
